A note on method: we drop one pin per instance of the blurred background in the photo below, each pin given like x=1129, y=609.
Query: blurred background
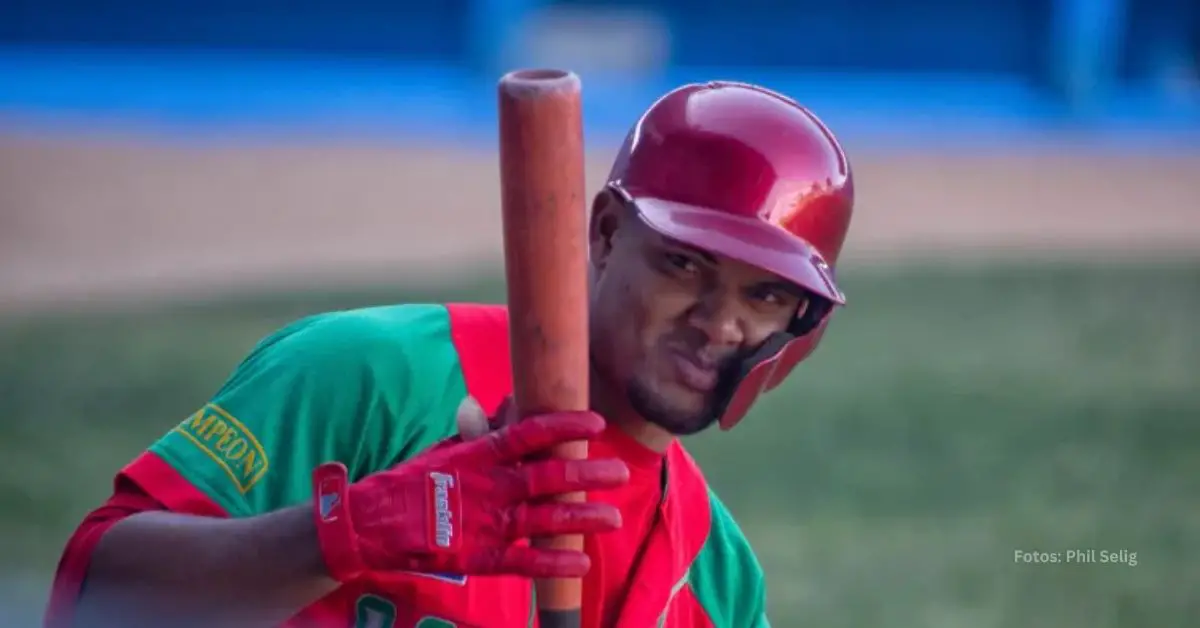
x=1018, y=368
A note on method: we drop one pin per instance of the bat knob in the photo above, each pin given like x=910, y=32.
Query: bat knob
x=538, y=82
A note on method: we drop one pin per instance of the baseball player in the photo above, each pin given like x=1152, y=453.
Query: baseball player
x=337, y=478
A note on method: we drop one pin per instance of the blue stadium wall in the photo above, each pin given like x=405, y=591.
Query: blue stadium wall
x=998, y=56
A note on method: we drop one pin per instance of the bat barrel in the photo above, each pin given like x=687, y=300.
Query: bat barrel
x=545, y=246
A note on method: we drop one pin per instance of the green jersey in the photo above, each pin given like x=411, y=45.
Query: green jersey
x=373, y=387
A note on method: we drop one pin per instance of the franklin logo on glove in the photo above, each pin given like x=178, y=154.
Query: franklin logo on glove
x=443, y=508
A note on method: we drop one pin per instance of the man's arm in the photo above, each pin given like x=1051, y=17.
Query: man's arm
x=460, y=507
x=230, y=482
x=186, y=570
x=137, y=557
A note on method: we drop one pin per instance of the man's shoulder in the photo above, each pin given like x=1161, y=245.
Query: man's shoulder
x=724, y=542
x=420, y=347
x=726, y=577
x=728, y=533
x=387, y=332
x=405, y=355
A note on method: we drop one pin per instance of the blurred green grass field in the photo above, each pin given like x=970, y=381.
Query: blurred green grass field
x=951, y=418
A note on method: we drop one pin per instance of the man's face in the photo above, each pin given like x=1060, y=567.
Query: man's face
x=670, y=322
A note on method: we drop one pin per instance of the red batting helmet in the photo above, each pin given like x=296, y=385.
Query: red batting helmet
x=742, y=171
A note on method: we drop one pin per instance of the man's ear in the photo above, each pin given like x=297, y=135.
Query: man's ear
x=605, y=222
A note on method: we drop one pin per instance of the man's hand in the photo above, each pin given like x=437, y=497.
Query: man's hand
x=466, y=505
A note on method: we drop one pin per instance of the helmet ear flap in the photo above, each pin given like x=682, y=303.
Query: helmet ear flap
x=818, y=308
x=731, y=380
x=772, y=348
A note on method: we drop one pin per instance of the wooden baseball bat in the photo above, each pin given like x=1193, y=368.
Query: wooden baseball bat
x=545, y=251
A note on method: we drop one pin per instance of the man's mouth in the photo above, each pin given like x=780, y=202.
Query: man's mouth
x=694, y=371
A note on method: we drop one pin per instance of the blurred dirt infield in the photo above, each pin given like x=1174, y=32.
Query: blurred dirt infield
x=94, y=218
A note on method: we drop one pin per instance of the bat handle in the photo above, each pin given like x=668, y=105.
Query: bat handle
x=545, y=226
x=550, y=618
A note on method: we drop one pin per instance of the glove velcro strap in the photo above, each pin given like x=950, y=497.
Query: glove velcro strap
x=335, y=530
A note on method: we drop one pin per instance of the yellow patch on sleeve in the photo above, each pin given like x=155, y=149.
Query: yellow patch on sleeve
x=228, y=442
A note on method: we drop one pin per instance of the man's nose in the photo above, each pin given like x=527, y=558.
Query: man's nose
x=719, y=317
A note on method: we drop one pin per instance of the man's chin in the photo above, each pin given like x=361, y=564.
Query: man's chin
x=686, y=427
x=676, y=417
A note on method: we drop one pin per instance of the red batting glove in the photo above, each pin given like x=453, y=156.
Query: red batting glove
x=462, y=507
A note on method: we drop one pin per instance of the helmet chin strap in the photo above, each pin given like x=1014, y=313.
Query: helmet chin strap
x=818, y=308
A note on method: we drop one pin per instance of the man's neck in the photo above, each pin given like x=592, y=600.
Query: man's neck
x=615, y=409
x=648, y=434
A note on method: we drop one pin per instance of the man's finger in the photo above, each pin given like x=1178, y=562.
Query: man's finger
x=506, y=414
x=532, y=562
x=471, y=419
x=555, y=477
x=551, y=519
x=529, y=436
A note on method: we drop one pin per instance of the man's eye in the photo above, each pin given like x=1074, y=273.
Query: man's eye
x=770, y=296
x=777, y=297
x=681, y=262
